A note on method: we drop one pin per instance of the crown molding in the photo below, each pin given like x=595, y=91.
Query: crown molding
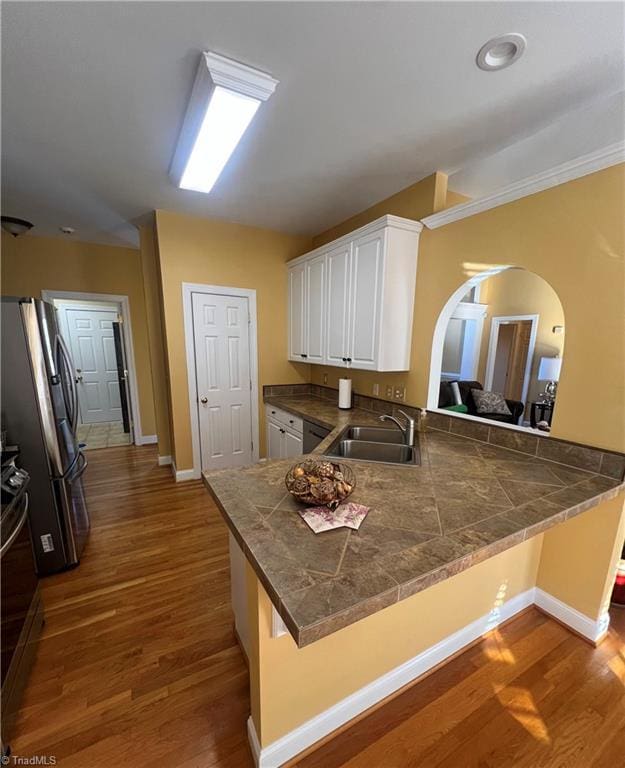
x=559, y=174
x=388, y=220
x=239, y=77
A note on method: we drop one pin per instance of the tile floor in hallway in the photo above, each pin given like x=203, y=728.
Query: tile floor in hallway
x=105, y=434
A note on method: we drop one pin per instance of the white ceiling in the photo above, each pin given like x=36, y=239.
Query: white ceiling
x=372, y=97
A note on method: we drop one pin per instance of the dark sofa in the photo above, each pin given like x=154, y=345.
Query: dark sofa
x=446, y=398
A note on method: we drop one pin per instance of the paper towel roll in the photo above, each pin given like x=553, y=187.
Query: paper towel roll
x=345, y=394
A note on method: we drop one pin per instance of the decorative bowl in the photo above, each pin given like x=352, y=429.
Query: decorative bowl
x=320, y=483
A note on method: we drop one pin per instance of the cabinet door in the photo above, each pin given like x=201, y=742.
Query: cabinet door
x=315, y=308
x=366, y=293
x=338, y=267
x=294, y=444
x=274, y=440
x=297, y=312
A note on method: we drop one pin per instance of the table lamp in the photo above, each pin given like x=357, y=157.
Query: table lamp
x=549, y=371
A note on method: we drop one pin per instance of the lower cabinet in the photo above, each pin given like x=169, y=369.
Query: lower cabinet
x=285, y=437
x=283, y=443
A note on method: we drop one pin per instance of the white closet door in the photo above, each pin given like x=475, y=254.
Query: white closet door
x=222, y=360
x=338, y=298
x=366, y=297
x=315, y=308
x=297, y=312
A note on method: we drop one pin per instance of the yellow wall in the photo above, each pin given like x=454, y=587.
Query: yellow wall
x=295, y=684
x=519, y=292
x=213, y=252
x=153, y=305
x=572, y=236
x=579, y=558
x=32, y=264
x=415, y=202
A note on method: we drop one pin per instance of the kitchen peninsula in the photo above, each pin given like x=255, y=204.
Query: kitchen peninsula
x=445, y=544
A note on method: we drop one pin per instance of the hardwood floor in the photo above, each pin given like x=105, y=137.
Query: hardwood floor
x=138, y=665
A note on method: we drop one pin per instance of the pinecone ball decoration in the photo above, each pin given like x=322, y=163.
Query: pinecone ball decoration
x=300, y=486
x=326, y=469
x=324, y=491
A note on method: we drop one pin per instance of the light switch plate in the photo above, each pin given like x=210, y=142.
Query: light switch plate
x=325, y=378
x=376, y=390
x=389, y=391
x=400, y=393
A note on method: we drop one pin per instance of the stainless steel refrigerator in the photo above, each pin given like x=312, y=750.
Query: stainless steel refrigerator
x=40, y=414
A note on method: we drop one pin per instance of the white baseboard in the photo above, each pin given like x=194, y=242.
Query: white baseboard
x=254, y=743
x=182, y=475
x=164, y=461
x=593, y=630
x=307, y=734
x=146, y=439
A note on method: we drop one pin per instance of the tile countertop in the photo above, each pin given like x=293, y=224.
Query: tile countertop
x=466, y=502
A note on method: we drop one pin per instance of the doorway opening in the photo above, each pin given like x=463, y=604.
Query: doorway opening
x=95, y=330
x=510, y=355
x=222, y=368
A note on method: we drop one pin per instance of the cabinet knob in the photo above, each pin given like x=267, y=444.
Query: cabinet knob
x=303, y=355
x=281, y=430
x=203, y=400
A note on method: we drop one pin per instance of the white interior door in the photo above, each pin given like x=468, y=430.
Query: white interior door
x=93, y=352
x=222, y=362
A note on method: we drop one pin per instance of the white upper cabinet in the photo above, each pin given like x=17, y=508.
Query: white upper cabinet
x=315, y=316
x=351, y=302
x=366, y=297
x=297, y=312
x=337, y=316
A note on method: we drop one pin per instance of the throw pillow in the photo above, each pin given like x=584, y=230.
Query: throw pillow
x=490, y=402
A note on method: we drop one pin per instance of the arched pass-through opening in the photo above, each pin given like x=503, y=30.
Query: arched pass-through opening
x=465, y=345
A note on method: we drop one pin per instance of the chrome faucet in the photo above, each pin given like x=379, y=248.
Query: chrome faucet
x=408, y=430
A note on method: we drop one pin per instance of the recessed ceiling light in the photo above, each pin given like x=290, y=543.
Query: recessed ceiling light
x=67, y=230
x=501, y=51
x=225, y=97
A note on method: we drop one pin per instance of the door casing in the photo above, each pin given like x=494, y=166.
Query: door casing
x=187, y=304
x=124, y=304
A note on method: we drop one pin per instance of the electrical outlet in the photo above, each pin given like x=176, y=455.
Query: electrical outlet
x=400, y=393
x=389, y=390
x=325, y=378
x=376, y=390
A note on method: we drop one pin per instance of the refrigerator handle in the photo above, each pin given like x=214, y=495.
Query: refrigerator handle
x=67, y=363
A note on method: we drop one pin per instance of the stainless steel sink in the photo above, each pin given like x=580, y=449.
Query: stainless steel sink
x=373, y=435
x=365, y=450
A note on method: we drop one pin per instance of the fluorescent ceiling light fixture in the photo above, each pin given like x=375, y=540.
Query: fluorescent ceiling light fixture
x=225, y=98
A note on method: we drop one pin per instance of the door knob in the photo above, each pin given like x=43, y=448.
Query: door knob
x=203, y=400
x=78, y=379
